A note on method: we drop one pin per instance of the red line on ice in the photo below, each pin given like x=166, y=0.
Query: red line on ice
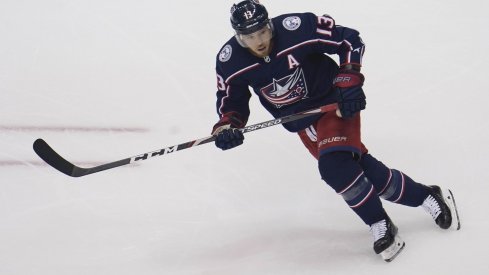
x=20, y=128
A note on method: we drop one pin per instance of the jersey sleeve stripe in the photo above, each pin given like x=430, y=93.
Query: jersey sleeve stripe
x=348, y=52
x=228, y=88
x=309, y=42
x=241, y=71
x=347, y=55
x=222, y=101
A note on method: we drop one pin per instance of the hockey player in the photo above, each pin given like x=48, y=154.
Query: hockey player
x=285, y=61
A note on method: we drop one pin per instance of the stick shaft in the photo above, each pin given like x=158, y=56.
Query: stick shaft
x=51, y=157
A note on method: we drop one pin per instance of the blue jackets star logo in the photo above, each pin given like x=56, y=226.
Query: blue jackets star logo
x=287, y=90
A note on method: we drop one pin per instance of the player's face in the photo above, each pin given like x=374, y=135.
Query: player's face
x=259, y=41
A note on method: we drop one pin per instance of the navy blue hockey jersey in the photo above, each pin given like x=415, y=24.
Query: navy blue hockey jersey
x=297, y=75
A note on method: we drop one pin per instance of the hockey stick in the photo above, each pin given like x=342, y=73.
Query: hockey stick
x=45, y=152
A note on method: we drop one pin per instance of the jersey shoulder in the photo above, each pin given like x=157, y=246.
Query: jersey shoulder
x=291, y=28
x=232, y=58
x=301, y=24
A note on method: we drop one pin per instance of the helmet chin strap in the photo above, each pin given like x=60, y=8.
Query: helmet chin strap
x=240, y=42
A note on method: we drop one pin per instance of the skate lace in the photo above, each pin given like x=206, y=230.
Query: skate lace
x=378, y=229
x=432, y=207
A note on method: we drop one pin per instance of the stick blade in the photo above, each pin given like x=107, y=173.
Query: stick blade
x=45, y=152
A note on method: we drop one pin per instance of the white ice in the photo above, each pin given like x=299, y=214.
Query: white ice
x=260, y=208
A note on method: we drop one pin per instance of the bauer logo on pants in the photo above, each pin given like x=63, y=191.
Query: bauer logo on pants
x=332, y=139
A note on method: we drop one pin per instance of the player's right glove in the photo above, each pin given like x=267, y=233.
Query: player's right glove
x=226, y=131
x=349, y=93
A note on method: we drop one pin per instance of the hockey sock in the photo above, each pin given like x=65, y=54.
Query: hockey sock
x=340, y=171
x=393, y=185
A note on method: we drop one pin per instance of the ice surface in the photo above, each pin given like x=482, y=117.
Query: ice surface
x=261, y=208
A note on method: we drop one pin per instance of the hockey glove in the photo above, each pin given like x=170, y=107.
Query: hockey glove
x=226, y=131
x=349, y=93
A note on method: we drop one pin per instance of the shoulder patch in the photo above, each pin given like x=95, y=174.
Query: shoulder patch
x=225, y=53
x=292, y=23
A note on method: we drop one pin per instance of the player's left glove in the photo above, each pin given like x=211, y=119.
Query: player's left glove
x=226, y=131
x=349, y=93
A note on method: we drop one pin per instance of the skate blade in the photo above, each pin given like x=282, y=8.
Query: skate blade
x=450, y=200
x=392, y=251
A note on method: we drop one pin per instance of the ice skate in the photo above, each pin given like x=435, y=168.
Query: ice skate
x=387, y=242
x=440, y=204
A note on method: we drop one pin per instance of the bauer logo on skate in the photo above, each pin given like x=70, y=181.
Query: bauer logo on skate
x=332, y=139
x=155, y=153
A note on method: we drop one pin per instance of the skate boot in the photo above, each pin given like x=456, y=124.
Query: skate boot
x=387, y=242
x=440, y=204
